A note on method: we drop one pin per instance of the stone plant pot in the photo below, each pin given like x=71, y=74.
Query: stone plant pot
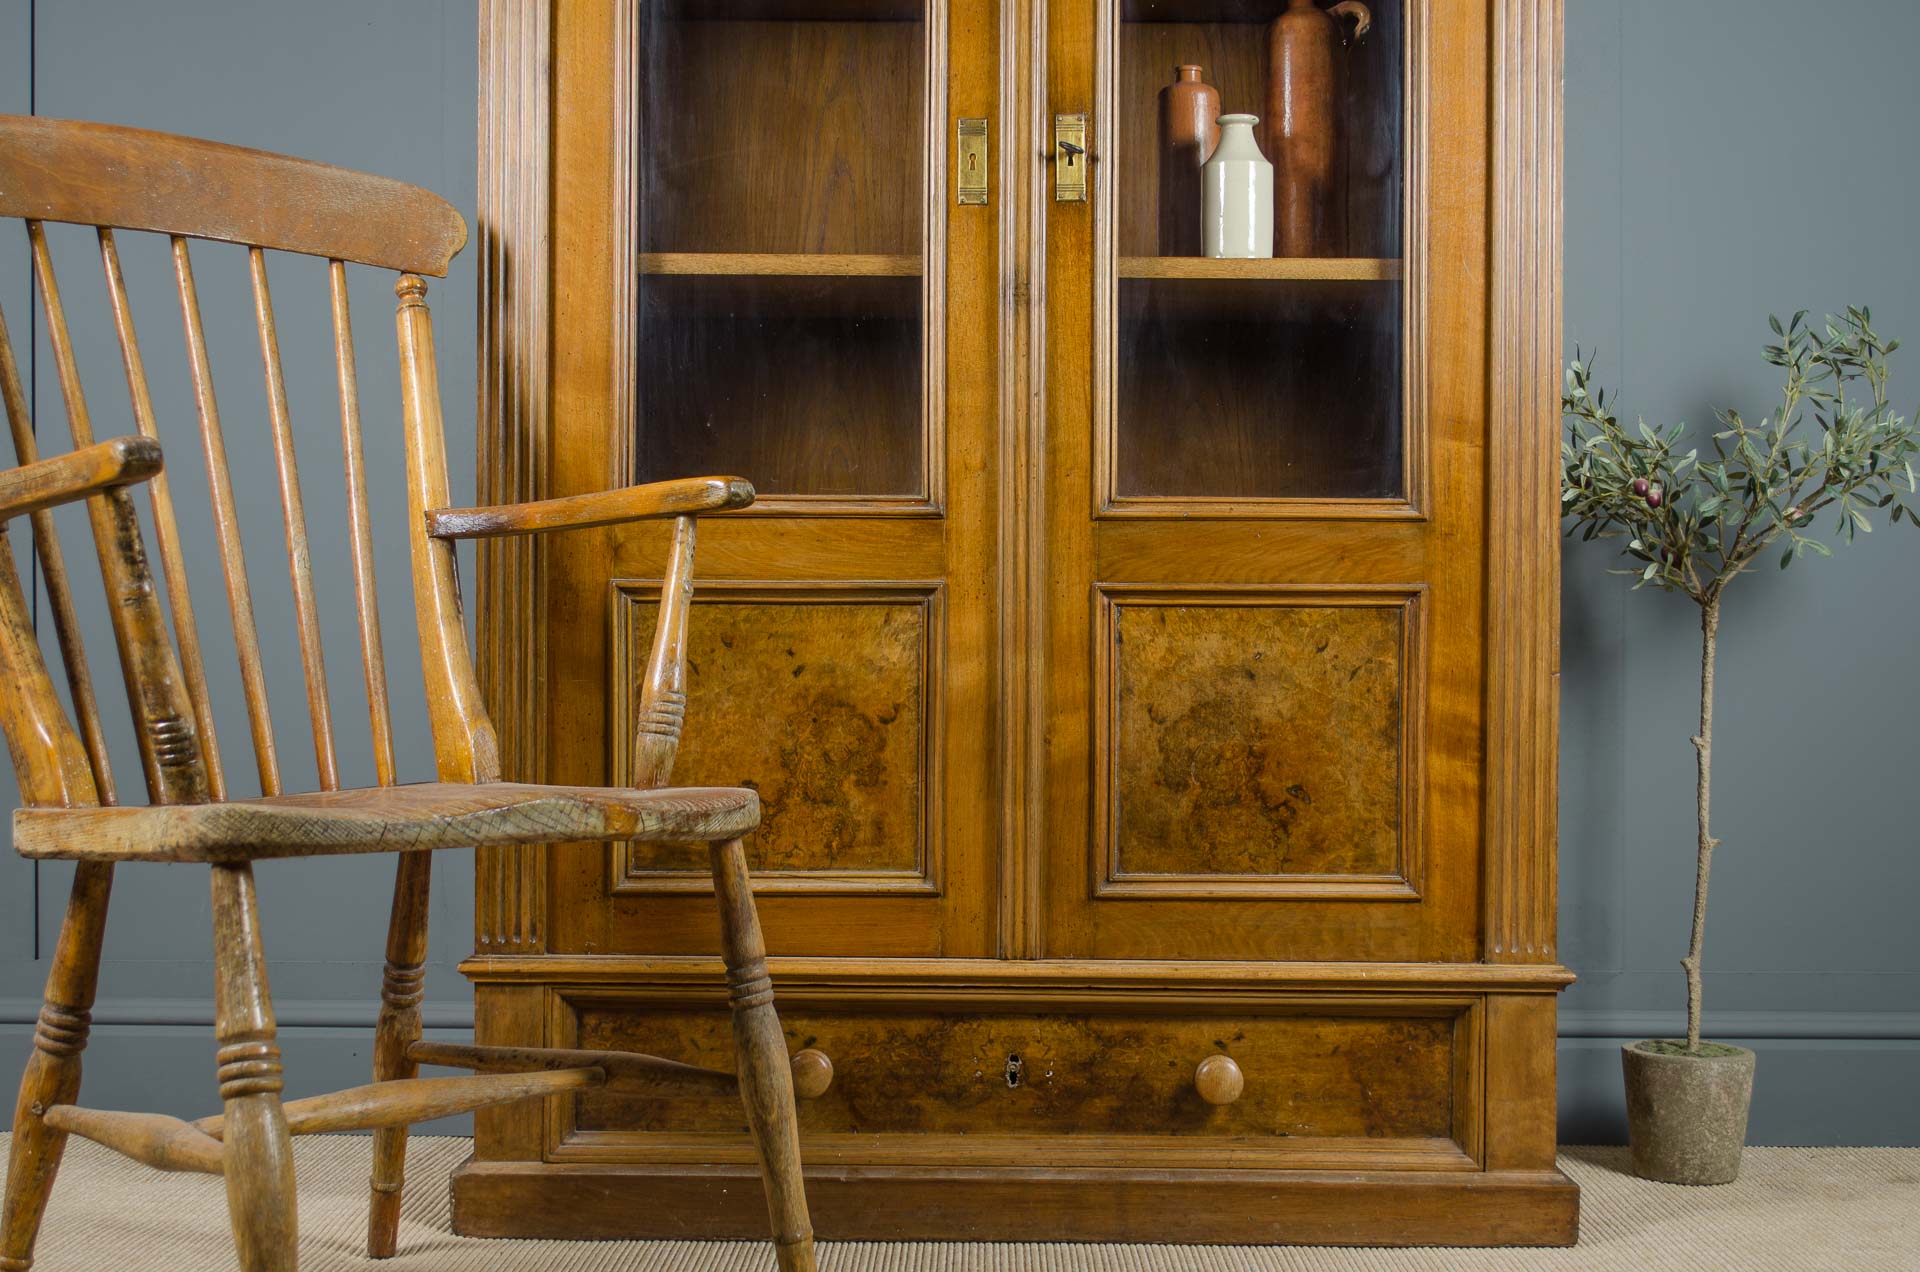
x=1687, y=1114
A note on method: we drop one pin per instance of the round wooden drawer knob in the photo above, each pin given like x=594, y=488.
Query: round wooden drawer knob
x=1219, y=1080
x=812, y=1073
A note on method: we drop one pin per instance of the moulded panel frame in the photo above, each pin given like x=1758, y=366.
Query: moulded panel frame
x=628, y=878
x=1109, y=881
x=1412, y=503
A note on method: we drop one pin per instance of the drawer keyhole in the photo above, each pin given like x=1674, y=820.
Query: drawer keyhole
x=1016, y=1069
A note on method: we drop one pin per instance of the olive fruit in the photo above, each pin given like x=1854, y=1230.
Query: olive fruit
x=1640, y=487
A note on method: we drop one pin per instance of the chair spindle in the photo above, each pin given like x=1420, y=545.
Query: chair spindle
x=233, y=561
x=360, y=529
x=167, y=532
x=294, y=514
x=169, y=745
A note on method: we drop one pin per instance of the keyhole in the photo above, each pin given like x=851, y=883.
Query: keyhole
x=1073, y=152
x=1016, y=1069
x=973, y=162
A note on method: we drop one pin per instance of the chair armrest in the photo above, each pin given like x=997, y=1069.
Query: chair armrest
x=608, y=507
x=47, y=483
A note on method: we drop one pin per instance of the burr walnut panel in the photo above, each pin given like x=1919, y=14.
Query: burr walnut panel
x=1312, y=1071
x=1262, y=733
x=844, y=779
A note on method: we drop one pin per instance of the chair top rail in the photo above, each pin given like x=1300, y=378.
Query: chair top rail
x=101, y=174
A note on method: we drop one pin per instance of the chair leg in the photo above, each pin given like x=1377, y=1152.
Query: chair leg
x=399, y=1028
x=259, y=1151
x=53, y=1070
x=766, y=1080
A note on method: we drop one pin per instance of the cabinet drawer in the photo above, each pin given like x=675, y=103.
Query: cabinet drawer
x=1314, y=1077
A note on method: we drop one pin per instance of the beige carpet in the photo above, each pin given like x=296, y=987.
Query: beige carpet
x=1793, y=1210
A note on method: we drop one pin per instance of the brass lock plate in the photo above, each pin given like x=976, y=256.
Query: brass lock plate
x=970, y=169
x=1070, y=159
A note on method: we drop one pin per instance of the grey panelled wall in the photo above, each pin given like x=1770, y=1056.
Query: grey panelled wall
x=1721, y=163
x=369, y=84
x=1685, y=225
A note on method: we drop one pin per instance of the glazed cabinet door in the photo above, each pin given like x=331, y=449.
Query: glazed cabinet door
x=1264, y=478
x=802, y=299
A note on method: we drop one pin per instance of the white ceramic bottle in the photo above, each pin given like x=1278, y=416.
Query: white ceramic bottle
x=1237, y=199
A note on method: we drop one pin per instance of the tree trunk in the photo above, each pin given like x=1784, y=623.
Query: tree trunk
x=1703, y=753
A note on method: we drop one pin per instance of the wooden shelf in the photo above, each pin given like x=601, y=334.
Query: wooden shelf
x=779, y=264
x=1191, y=11
x=1360, y=269
x=794, y=10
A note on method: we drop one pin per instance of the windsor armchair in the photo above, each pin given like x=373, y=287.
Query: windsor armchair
x=108, y=178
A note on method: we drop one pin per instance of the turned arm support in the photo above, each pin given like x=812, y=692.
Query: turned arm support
x=48, y=483
x=661, y=704
x=688, y=496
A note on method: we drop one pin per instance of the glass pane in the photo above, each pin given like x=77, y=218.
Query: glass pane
x=782, y=170
x=1260, y=342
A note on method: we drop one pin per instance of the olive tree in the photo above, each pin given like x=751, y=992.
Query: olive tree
x=1833, y=452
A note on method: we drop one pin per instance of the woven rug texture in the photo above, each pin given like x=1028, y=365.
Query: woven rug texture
x=1792, y=1210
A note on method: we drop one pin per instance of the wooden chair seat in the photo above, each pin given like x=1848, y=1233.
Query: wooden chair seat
x=412, y=818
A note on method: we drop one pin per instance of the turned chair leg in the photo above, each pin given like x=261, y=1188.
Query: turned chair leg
x=259, y=1151
x=766, y=1080
x=399, y=1028
x=53, y=1070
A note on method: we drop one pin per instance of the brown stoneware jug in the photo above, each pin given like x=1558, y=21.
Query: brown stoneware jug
x=1301, y=127
x=1189, y=130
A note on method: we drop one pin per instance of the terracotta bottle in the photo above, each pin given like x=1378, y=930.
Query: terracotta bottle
x=1189, y=130
x=1301, y=123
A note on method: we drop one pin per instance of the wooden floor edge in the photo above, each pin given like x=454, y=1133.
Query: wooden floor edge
x=1200, y=1207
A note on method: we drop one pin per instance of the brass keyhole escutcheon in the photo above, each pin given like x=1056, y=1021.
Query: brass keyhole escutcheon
x=970, y=174
x=1070, y=159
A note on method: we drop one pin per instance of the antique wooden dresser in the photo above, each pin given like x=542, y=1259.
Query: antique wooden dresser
x=1147, y=661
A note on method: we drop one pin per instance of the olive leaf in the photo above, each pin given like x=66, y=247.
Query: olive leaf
x=1834, y=442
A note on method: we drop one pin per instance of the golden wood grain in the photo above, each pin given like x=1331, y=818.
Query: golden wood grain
x=413, y=818
x=1348, y=444
x=404, y=1101
x=602, y=508
x=64, y=479
x=186, y=626
x=100, y=174
x=226, y=520
x=366, y=597
x=46, y=542
x=153, y=1139
x=306, y=608
x=80, y=172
